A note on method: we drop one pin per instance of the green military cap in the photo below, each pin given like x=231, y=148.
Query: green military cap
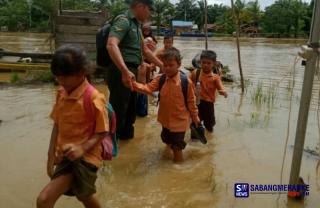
x=149, y=3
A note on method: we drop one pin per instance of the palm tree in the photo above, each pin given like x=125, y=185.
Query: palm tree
x=114, y=7
x=184, y=9
x=253, y=8
x=199, y=17
x=164, y=10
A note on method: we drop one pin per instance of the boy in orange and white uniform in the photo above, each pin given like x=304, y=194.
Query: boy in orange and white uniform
x=167, y=43
x=175, y=106
x=207, y=83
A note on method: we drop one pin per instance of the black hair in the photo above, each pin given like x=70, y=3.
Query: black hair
x=69, y=60
x=150, y=33
x=208, y=54
x=167, y=37
x=172, y=53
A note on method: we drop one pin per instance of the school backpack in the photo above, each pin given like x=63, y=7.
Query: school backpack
x=109, y=143
x=184, y=86
x=103, y=58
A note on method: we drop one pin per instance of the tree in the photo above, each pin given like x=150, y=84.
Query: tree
x=285, y=17
x=216, y=11
x=199, y=15
x=185, y=10
x=299, y=11
x=276, y=18
x=164, y=12
x=114, y=7
x=226, y=21
x=254, y=12
x=15, y=15
x=43, y=15
x=85, y=5
x=308, y=17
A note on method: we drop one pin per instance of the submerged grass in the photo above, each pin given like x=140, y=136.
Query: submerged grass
x=264, y=99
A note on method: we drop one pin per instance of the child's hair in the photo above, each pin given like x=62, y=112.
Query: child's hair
x=171, y=53
x=168, y=37
x=69, y=60
x=208, y=54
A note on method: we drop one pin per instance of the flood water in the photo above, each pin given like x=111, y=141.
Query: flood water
x=246, y=147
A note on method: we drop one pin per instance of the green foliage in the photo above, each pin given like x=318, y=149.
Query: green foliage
x=39, y=75
x=115, y=7
x=14, y=78
x=226, y=21
x=84, y=5
x=185, y=10
x=163, y=13
x=284, y=18
x=15, y=15
x=264, y=99
x=264, y=95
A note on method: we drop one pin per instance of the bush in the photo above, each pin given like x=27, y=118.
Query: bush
x=39, y=75
x=14, y=78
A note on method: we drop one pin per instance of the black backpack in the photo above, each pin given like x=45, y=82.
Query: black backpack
x=184, y=86
x=103, y=58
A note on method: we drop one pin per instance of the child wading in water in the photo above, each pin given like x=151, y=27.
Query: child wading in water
x=207, y=83
x=74, y=150
x=174, y=108
x=167, y=43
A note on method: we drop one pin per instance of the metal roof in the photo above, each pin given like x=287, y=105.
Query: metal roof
x=178, y=23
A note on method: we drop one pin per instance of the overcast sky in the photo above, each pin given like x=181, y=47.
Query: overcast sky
x=263, y=3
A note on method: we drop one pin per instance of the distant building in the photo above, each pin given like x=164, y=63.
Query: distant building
x=214, y=28
x=181, y=26
x=250, y=29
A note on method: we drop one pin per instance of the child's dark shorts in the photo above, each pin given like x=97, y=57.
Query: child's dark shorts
x=174, y=139
x=206, y=114
x=84, y=173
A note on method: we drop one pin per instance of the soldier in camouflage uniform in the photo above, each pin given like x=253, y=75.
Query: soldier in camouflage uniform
x=126, y=48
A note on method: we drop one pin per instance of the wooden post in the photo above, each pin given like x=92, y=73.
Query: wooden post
x=237, y=20
x=206, y=23
x=311, y=54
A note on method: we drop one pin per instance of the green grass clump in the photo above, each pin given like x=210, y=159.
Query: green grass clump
x=14, y=78
x=39, y=75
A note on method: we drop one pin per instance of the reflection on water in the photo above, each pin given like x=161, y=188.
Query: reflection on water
x=143, y=174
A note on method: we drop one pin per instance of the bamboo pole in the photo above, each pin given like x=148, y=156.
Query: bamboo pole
x=236, y=18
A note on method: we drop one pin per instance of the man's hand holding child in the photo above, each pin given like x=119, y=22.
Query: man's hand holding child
x=127, y=78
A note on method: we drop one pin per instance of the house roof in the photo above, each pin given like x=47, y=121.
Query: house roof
x=178, y=23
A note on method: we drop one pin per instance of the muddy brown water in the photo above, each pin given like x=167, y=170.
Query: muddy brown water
x=246, y=146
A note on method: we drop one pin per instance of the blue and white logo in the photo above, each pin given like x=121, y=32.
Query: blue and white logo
x=241, y=190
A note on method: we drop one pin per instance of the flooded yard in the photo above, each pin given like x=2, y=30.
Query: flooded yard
x=246, y=147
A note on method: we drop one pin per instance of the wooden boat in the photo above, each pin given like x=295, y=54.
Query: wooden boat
x=20, y=61
x=34, y=57
x=16, y=66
